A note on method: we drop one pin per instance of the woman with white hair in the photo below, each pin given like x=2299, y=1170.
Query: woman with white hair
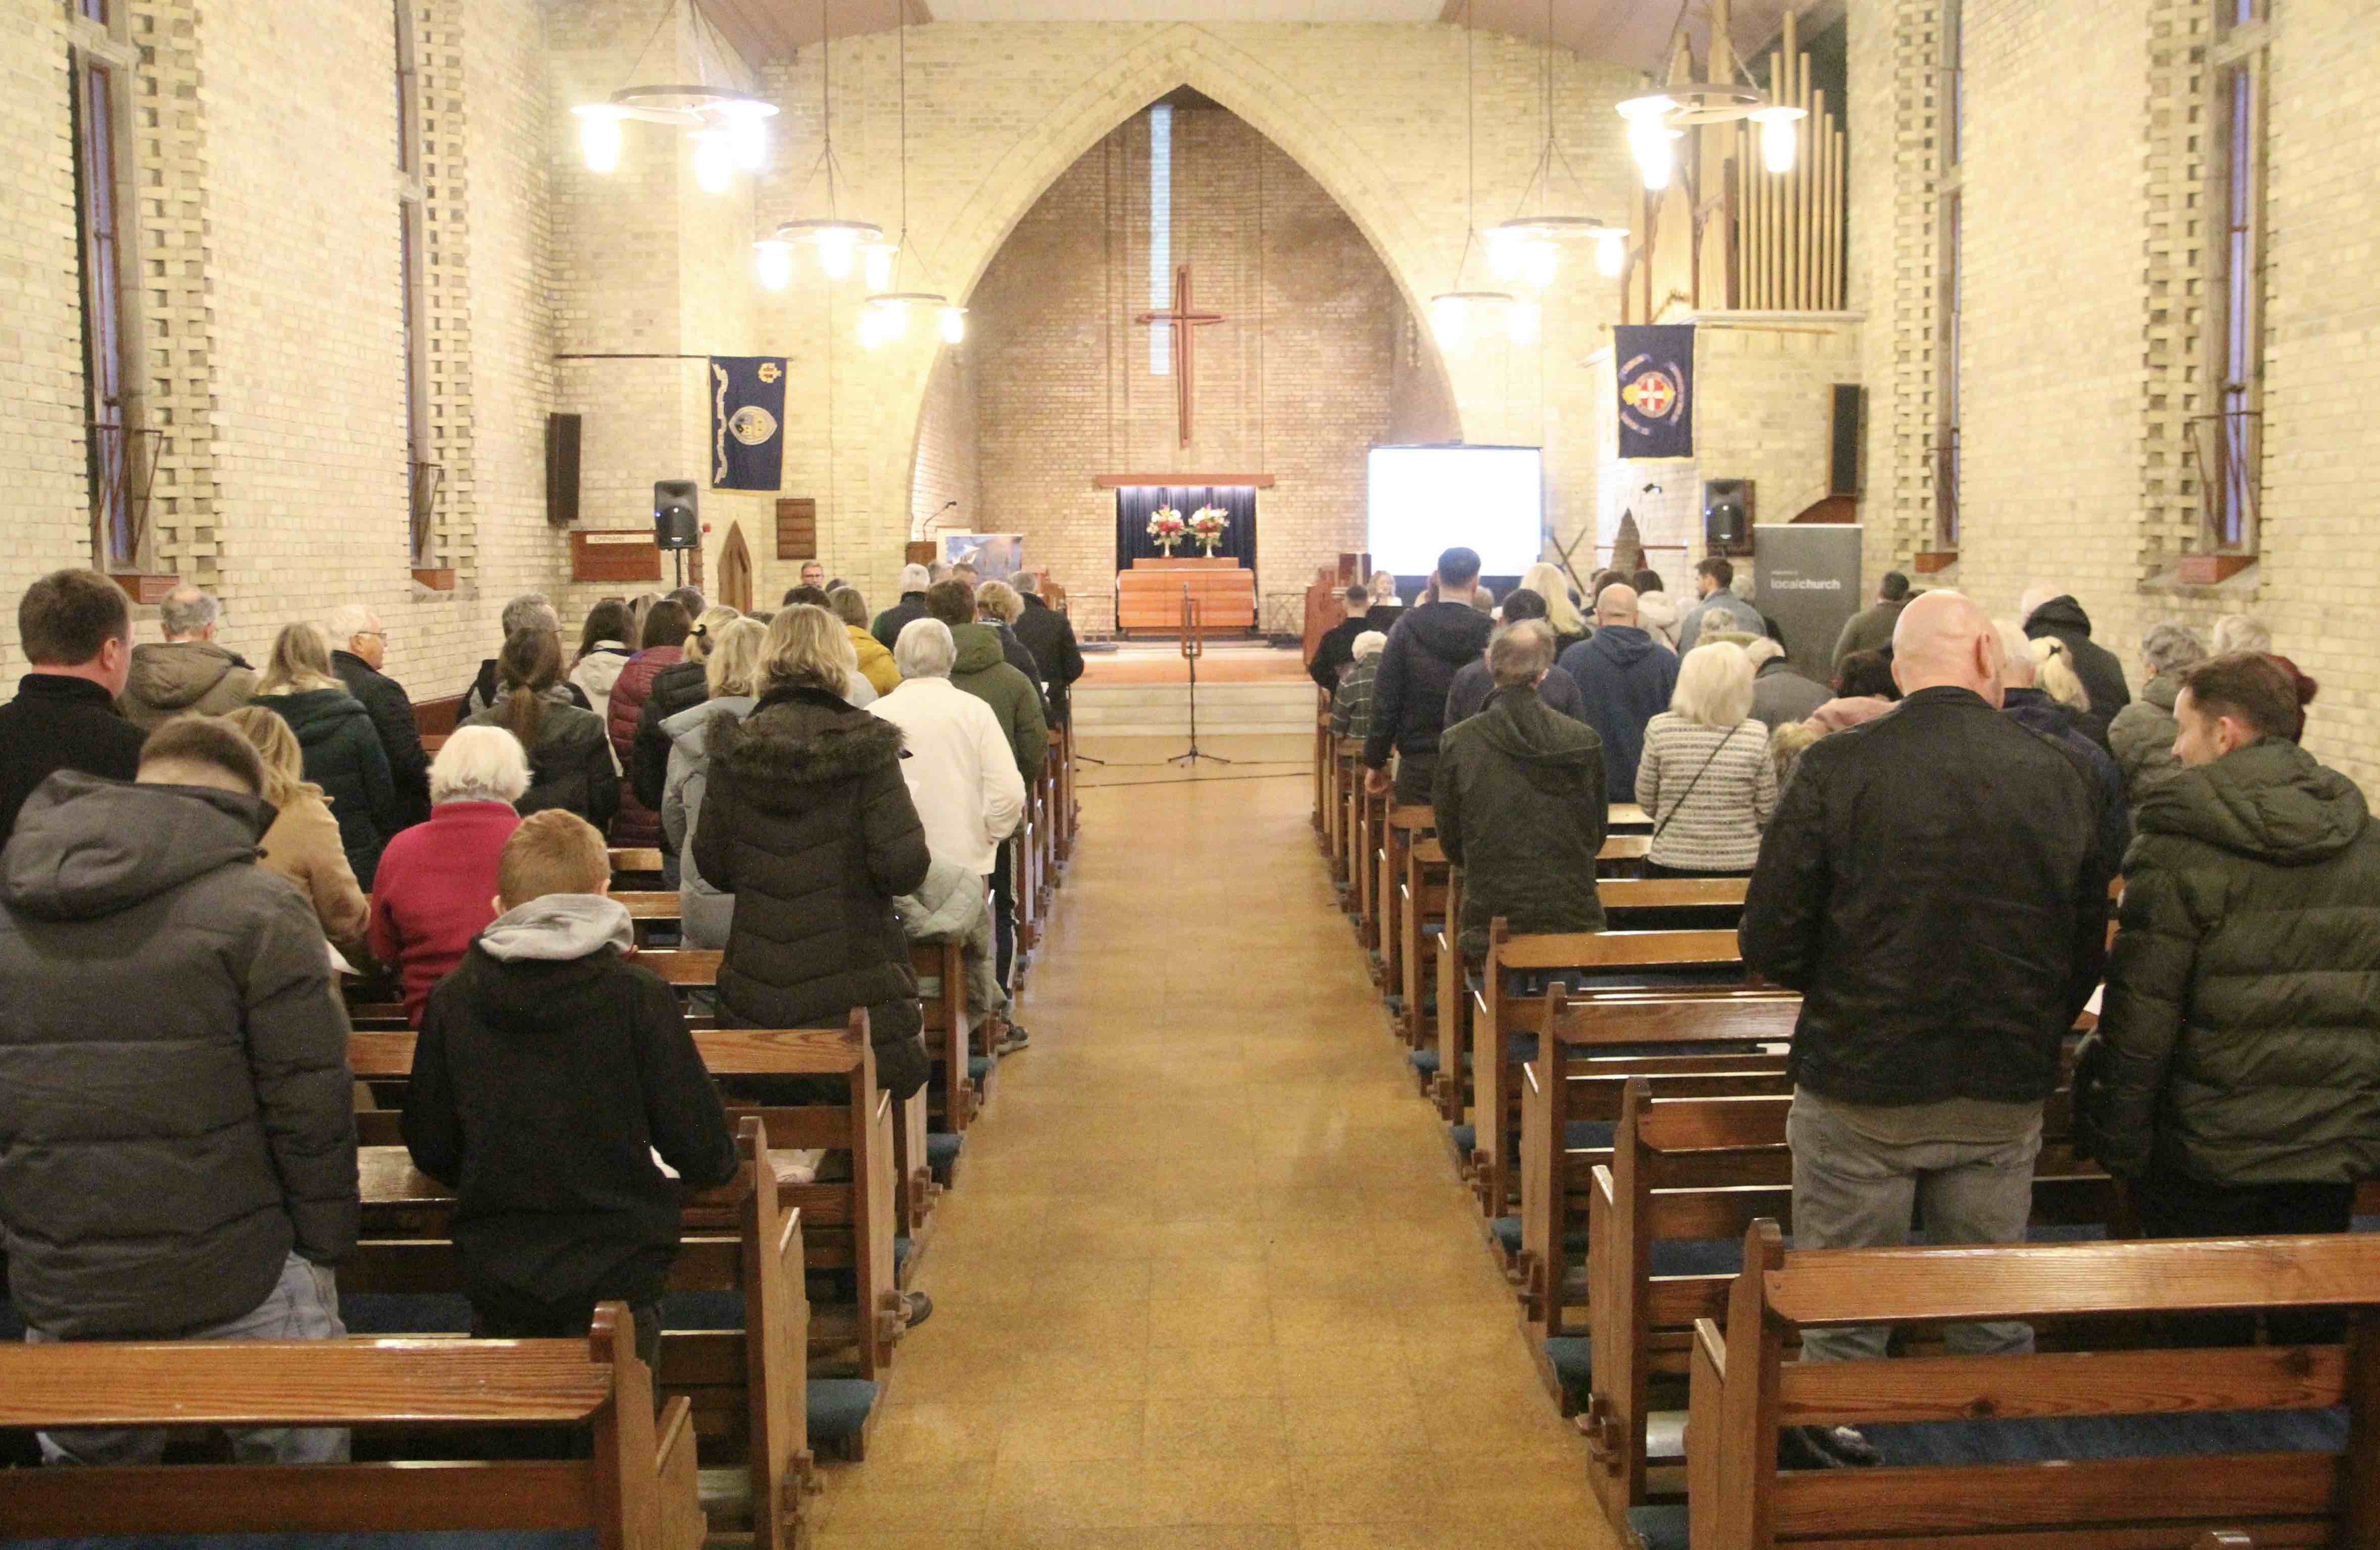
x=342, y=747
x=2143, y=733
x=806, y=821
x=732, y=675
x=968, y=793
x=1706, y=777
x=1569, y=625
x=915, y=579
x=2235, y=633
x=437, y=884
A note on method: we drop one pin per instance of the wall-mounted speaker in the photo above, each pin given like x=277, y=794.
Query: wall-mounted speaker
x=1727, y=516
x=676, y=524
x=1848, y=410
x=562, y=469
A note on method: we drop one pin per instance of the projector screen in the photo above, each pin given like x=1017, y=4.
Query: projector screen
x=1425, y=499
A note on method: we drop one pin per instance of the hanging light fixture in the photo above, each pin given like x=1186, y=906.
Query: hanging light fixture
x=1450, y=310
x=838, y=241
x=885, y=315
x=729, y=127
x=1659, y=117
x=1529, y=248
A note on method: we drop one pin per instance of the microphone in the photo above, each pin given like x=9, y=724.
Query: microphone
x=945, y=507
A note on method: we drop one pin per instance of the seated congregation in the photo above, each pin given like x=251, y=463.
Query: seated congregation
x=340, y=1023
x=1879, y=1094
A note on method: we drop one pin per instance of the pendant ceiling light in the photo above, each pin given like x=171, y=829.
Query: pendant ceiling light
x=1659, y=117
x=1529, y=247
x=840, y=242
x=729, y=127
x=884, y=317
x=1451, y=311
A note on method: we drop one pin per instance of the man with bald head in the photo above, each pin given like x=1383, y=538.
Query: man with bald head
x=1625, y=676
x=1935, y=886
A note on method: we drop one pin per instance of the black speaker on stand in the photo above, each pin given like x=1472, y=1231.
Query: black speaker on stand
x=677, y=524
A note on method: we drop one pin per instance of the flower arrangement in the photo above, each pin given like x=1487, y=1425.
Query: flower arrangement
x=1166, y=526
x=1210, y=523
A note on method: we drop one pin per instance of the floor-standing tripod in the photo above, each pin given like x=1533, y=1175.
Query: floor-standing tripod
x=1194, y=646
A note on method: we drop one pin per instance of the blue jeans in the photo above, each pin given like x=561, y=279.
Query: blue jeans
x=303, y=1305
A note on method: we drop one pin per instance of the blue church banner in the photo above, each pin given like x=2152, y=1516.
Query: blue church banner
x=748, y=422
x=1656, y=389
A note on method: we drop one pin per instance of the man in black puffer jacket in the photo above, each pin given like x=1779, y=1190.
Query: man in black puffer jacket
x=178, y=1136
x=809, y=824
x=2235, y=1075
x=1428, y=647
x=1935, y=886
x=2055, y=614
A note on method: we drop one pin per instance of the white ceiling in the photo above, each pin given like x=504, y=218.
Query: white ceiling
x=1634, y=32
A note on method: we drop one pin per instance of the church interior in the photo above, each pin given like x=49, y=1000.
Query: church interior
x=1271, y=1237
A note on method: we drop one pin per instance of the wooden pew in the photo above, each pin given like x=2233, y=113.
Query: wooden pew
x=639, y=1489
x=1627, y=818
x=1499, y=1017
x=1628, y=903
x=749, y=1386
x=1588, y=1051
x=636, y=867
x=1422, y=909
x=965, y=1065
x=1322, y=742
x=2125, y=1488
x=1405, y=825
x=1688, y=1172
x=847, y=1225
x=1363, y=842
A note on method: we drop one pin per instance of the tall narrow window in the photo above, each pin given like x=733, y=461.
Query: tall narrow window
x=2231, y=442
x=1948, y=266
x=1161, y=234
x=108, y=428
x=423, y=472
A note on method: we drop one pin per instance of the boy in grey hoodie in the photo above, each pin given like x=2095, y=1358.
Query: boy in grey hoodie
x=550, y=1073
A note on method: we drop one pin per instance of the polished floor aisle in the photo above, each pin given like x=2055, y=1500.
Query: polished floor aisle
x=1208, y=1281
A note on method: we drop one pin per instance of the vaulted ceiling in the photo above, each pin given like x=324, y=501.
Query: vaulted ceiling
x=1633, y=32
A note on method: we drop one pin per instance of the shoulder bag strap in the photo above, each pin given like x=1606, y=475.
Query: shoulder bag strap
x=1663, y=826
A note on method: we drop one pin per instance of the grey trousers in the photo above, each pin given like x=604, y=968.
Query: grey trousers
x=303, y=1305
x=1853, y=1192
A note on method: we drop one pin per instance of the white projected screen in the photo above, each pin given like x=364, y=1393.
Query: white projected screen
x=1425, y=499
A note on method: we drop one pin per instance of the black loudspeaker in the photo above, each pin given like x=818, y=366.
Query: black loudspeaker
x=562, y=469
x=675, y=522
x=1843, y=437
x=1727, y=516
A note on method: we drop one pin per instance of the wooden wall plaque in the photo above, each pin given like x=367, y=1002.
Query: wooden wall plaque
x=628, y=555
x=797, y=528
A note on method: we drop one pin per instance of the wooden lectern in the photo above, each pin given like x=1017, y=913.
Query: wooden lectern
x=1148, y=596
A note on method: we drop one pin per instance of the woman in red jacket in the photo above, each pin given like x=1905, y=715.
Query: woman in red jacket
x=436, y=887
x=663, y=642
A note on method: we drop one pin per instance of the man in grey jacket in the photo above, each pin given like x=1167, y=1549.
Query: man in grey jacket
x=178, y=1140
x=1720, y=607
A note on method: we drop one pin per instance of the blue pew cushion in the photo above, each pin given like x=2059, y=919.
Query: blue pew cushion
x=1396, y=1005
x=2028, y=1441
x=902, y=1248
x=1582, y=1135
x=1506, y=1232
x=1423, y=1060
x=979, y=1067
x=1656, y=1528
x=839, y=1407
x=1573, y=1358
x=1465, y=1136
x=702, y=1310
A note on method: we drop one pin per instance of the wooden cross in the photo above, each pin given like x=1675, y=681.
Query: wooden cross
x=1183, y=321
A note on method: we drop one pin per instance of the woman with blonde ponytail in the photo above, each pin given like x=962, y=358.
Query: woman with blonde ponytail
x=569, y=754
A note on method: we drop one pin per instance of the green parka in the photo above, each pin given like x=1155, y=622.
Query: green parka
x=2240, y=1037
x=2142, y=737
x=1521, y=808
x=983, y=671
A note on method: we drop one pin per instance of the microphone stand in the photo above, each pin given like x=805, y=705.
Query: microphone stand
x=1194, y=646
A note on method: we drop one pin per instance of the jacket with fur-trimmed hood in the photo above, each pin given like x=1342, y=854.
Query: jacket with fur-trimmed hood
x=808, y=821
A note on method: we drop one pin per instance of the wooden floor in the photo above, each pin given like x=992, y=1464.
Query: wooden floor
x=1207, y=1281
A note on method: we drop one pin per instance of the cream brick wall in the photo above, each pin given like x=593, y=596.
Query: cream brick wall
x=267, y=235
x=42, y=447
x=2086, y=224
x=947, y=464
x=1296, y=382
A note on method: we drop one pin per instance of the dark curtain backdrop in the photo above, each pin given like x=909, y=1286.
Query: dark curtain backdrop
x=1135, y=502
